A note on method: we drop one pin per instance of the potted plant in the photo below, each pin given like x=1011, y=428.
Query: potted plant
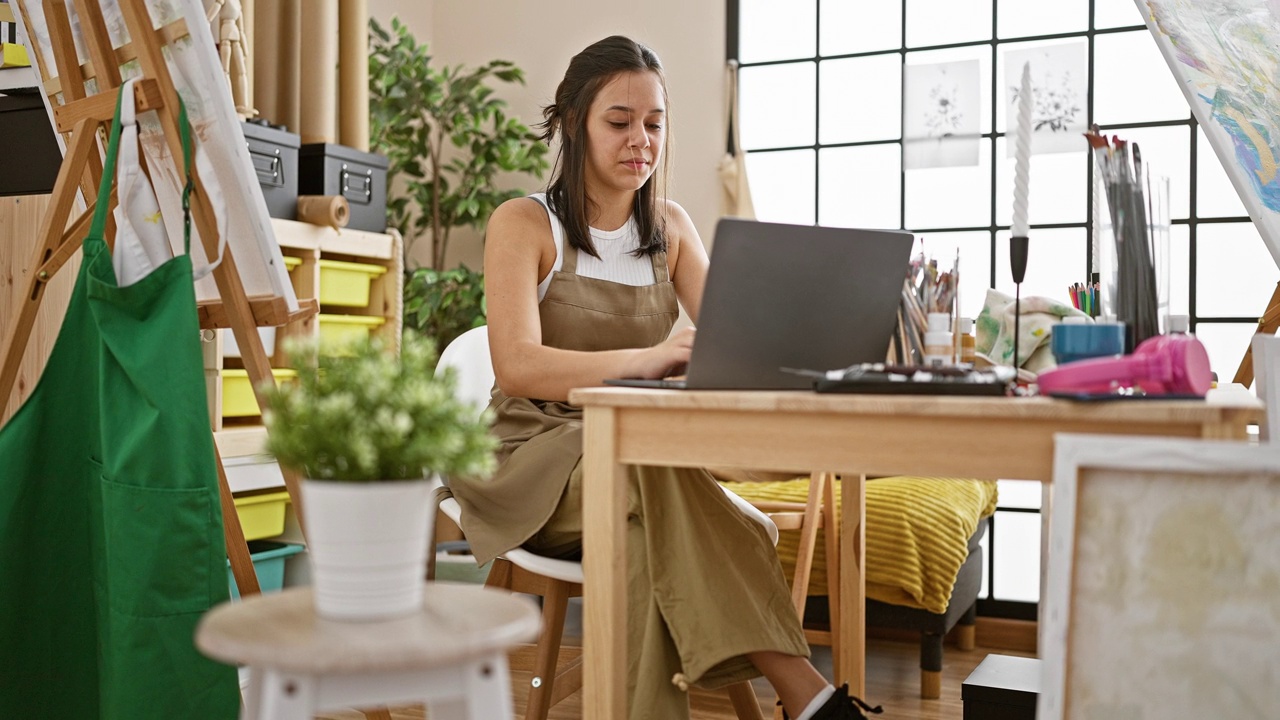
x=446, y=136
x=366, y=430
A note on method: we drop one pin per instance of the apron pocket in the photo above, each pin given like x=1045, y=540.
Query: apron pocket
x=157, y=548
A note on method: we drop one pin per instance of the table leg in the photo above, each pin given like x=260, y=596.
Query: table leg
x=604, y=508
x=851, y=663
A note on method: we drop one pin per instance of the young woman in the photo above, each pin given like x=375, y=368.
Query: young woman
x=582, y=284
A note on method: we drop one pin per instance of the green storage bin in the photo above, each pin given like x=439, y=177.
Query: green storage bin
x=268, y=563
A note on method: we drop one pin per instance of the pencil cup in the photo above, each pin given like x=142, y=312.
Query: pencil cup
x=1072, y=341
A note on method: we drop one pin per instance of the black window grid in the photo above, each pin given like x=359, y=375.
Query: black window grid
x=989, y=605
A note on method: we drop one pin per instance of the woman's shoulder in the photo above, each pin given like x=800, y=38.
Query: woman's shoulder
x=672, y=211
x=520, y=213
x=678, y=225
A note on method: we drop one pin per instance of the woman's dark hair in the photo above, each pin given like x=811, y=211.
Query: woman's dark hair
x=588, y=72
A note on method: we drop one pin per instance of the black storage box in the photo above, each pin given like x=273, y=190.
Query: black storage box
x=360, y=177
x=274, y=153
x=1002, y=687
x=28, y=148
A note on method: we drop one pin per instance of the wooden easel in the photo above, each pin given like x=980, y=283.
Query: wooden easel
x=79, y=119
x=1267, y=325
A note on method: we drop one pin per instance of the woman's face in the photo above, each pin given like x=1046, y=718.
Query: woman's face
x=626, y=128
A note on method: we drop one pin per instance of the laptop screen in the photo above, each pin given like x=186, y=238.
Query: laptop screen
x=796, y=296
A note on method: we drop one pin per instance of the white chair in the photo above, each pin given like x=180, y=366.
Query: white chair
x=554, y=580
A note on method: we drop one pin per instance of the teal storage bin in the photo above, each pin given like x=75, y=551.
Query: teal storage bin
x=268, y=563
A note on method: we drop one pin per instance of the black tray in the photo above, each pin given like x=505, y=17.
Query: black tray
x=868, y=386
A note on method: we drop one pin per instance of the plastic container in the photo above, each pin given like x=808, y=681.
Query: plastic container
x=337, y=331
x=1081, y=341
x=268, y=564
x=231, y=348
x=937, y=341
x=346, y=284
x=262, y=515
x=238, y=399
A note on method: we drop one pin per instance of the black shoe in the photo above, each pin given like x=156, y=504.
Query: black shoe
x=842, y=706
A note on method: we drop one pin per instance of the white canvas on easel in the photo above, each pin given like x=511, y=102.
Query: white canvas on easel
x=1223, y=55
x=221, y=154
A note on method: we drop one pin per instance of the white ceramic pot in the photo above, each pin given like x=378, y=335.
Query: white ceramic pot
x=368, y=546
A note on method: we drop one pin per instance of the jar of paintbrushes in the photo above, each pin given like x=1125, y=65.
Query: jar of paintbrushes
x=1131, y=241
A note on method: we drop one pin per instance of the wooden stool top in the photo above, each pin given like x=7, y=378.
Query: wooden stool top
x=457, y=623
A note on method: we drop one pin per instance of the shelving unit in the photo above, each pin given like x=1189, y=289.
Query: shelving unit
x=241, y=440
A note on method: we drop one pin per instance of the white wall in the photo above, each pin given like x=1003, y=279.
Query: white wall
x=541, y=37
x=416, y=14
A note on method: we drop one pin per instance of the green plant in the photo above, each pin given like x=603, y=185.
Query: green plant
x=443, y=304
x=371, y=415
x=446, y=134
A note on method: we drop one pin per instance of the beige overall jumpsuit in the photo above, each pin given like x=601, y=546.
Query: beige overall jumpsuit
x=705, y=585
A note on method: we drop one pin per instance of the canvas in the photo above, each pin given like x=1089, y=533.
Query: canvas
x=1163, y=574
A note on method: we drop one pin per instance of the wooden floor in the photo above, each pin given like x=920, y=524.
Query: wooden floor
x=893, y=680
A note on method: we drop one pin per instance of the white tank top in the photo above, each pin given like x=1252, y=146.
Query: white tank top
x=616, y=262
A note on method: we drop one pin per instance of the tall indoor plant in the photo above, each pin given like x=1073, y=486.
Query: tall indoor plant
x=447, y=136
x=366, y=430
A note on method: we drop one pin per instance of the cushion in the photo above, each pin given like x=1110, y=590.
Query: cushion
x=917, y=534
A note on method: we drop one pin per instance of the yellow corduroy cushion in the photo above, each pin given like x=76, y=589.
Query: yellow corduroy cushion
x=918, y=532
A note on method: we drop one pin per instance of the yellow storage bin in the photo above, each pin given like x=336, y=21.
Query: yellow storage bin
x=346, y=283
x=238, y=399
x=291, y=262
x=337, y=331
x=262, y=516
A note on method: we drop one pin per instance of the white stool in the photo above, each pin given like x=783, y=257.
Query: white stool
x=451, y=655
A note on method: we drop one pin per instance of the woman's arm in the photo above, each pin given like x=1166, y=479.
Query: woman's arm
x=519, y=252
x=686, y=258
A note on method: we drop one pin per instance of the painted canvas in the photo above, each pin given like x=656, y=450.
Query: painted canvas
x=941, y=112
x=222, y=158
x=1223, y=54
x=1163, y=579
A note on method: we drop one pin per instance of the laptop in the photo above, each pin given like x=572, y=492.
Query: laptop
x=792, y=296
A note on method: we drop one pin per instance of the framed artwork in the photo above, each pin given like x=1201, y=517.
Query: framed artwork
x=1223, y=55
x=1163, y=591
x=940, y=115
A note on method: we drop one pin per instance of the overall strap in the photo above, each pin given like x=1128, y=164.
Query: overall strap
x=661, y=271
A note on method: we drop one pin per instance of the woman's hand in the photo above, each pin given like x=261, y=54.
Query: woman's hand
x=664, y=359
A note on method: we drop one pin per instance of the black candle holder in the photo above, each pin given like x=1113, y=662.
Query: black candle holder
x=1018, y=263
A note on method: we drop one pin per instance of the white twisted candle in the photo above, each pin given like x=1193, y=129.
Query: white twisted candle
x=1022, y=156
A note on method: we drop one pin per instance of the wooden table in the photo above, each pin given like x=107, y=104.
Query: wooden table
x=854, y=435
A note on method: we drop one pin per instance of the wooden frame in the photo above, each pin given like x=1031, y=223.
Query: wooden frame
x=1164, y=567
x=1265, y=348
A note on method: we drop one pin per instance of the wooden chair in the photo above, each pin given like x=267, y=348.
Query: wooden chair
x=555, y=581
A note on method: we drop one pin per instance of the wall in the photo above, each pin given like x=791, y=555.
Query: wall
x=541, y=38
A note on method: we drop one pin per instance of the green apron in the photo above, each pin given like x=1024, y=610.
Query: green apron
x=111, y=544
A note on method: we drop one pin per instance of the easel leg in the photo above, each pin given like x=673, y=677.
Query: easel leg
x=1267, y=325
x=233, y=532
x=80, y=147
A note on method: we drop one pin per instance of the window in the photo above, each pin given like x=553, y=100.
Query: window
x=822, y=114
